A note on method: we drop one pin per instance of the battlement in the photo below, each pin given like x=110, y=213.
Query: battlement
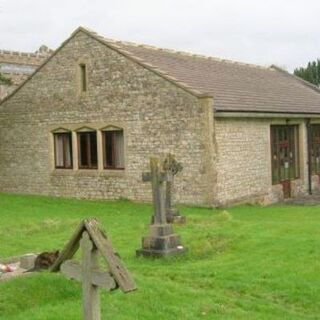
x=25, y=58
x=17, y=66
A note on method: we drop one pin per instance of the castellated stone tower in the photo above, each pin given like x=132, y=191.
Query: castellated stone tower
x=16, y=67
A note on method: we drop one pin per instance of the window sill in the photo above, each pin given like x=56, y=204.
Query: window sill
x=89, y=172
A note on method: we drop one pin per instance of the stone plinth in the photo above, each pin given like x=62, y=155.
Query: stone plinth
x=161, y=242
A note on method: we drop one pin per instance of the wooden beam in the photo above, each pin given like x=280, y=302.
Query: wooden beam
x=70, y=249
x=117, y=269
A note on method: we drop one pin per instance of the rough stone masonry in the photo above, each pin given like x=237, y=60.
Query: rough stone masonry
x=215, y=116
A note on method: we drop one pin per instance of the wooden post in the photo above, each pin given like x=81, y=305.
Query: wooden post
x=90, y=292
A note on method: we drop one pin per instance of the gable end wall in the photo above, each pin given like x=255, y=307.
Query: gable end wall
x=157, y=118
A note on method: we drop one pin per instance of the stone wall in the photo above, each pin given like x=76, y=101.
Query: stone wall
x=244, y=161
x=157, y=118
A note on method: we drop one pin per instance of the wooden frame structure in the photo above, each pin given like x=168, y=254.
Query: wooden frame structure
x=285, y=155
x=93, y=241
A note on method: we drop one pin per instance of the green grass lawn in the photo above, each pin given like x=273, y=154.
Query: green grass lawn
x=247, y=262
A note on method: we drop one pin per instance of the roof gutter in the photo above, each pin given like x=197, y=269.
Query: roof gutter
x=264, y=115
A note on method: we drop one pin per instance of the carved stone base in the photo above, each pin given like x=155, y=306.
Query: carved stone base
x=161, y=242
x=179, y=219
x=160, y=253
x=174, y=216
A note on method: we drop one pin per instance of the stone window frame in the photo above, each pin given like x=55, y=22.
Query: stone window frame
x=89, y=166
x=103, y=131
x=62, y=131
x=99, y=127
x=79, y=81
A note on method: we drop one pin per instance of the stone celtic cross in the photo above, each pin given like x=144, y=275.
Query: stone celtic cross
x=157, y=179
x=172, y=166
x=161, y=241
x=92, y=242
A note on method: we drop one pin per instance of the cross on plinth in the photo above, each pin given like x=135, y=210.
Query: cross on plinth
x=172, y=166
x=157, y=179
x=92, y=241
x=161, y=241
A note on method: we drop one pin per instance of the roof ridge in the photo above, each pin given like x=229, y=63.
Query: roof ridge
x=180, y=52
x=114, y=44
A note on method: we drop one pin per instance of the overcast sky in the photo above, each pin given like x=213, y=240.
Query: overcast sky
x=282, y=32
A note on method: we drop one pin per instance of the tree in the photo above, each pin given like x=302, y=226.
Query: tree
x=311, y=73
x=5, y=80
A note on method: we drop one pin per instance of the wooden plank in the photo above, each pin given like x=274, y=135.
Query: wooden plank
x=72, y=270
x=117, y=269
x=70, y=249
x=90, y=294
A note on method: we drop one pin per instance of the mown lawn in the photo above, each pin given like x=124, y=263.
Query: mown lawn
x=245, y=262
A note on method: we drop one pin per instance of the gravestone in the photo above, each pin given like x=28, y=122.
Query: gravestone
x=13, y=267
x=162, y=241
x=93, y=241
x=172, y=166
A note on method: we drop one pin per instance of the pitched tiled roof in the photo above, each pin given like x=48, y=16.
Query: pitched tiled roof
x=234, y=86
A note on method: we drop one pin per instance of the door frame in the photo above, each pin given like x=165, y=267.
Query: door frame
x=284, y=139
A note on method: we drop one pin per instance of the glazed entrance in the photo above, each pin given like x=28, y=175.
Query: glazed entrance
x=285, y=156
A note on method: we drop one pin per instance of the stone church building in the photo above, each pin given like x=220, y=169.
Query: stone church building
x=86, y=121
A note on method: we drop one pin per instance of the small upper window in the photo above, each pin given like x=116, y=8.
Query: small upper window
x=88, y=153
x=63, y=150
x=113, y=149
x=83, y=77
